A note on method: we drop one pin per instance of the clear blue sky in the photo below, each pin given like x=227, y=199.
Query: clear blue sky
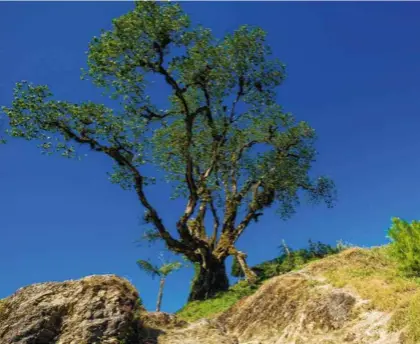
x=353, y=73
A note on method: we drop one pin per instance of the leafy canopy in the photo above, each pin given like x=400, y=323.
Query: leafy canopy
x=222, y=141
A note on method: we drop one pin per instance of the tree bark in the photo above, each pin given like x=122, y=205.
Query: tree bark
x=210, y=279
x=250, y=275
x=160, y=294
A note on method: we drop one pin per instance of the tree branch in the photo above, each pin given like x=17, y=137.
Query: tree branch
x=189, y=173
x=115, y=154
x=239, y=94
x=192, y=187
x=252, y=185
x=252, y=214
x=216, y=224
x=234, y=170
x=200, y=219
x=152, y=115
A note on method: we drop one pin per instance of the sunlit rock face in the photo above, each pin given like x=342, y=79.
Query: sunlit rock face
x=95, y=309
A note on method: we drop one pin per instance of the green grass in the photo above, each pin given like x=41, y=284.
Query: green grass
x=212, y=307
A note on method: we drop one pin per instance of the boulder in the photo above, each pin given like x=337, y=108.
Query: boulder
x=95, y=309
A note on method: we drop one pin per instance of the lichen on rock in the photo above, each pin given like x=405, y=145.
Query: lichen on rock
x=95, y=309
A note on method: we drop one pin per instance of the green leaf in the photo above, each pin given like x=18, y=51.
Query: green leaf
x=148, y=268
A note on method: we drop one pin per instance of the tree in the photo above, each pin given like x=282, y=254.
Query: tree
x=162, y=272
x=225, y=145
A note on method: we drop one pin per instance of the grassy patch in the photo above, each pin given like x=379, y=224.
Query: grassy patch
x=375, y=276
x=4, y=310
x=211, y=308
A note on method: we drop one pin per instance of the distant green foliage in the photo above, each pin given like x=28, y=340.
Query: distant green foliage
x=290, y=260
x=405, y=245
x=140, y=303
x=236, y=270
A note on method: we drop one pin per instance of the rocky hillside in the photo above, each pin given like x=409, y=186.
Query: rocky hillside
x=356, y=296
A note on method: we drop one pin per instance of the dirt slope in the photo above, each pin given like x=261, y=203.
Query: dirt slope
x=297, y=308
x=306, y=307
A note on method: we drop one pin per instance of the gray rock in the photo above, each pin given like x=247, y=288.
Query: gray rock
x=95, y=309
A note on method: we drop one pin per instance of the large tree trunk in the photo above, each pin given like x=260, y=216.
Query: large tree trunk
x=210, y=279
x=160, y=294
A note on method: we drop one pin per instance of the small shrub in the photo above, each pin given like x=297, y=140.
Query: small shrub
x=405, y=245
